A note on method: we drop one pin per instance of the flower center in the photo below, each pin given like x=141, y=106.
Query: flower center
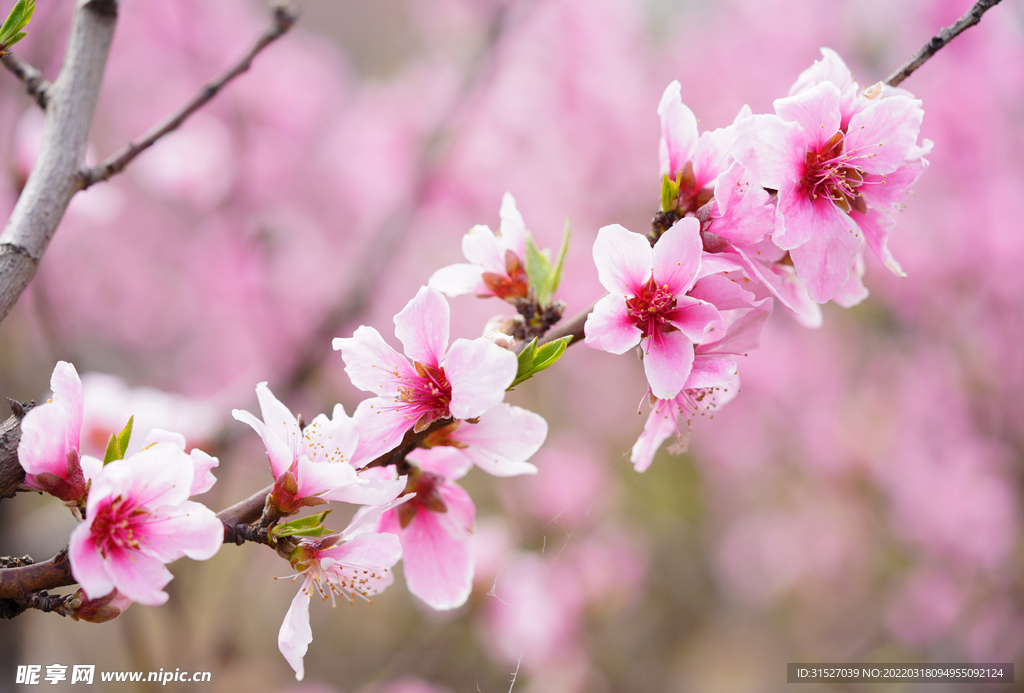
x=426, y=395
x=115, y=526
x=829, y=174
x=651, y=307
x=345, y=581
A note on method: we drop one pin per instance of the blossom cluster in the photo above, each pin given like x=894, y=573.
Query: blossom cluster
x=775, y=207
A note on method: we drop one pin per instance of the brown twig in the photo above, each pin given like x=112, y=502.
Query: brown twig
x=572, y=327
x=35, y=85
x=972, y=17
x=11, y=473
x=284, y=19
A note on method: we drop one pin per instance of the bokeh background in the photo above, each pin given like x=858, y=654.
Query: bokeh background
x=860, y=501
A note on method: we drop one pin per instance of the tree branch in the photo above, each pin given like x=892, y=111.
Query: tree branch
x=284, y=19
x=11, y=473
x=35, y=85
x=70, y=103
x=972, y=17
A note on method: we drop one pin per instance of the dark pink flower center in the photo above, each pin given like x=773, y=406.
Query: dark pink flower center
x=116, y=526
x=828, y=173
x=651, y=309
x=426, y=395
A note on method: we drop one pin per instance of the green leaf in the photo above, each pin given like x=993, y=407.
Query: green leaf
x=669, y=192
x=118, y=443
x=538, y=269
x=549, y=353
x=526, y=357
x=539, y=358
x=124, y=436
x=112, y=453
x=11, y=31
x=312, y=526
x=563, y=251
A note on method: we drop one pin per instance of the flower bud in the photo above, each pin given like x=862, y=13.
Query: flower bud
x=99, y=610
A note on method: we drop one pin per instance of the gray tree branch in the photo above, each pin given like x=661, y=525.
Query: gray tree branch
x=35, y=85
x=972, y=17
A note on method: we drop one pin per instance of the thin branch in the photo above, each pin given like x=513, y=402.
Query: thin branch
x=70, y=103
x=573, y=326
x=284, y=19
x=972, y=17
x=37, y=87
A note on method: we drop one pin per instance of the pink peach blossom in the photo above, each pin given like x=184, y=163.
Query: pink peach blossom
x=138, y=517
x=462, y=382
x=313, y=465
x=648, y=301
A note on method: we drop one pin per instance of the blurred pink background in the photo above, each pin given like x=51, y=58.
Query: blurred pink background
x=859, y=501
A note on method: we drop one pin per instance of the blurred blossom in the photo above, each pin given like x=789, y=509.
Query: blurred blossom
x=925, y=606
x=109, y=402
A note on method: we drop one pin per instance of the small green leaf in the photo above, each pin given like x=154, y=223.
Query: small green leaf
x=669, y=192
x=112, y=453
x=538, y=269
x=11, y=31
x=124, y=436
x=556, y=277
x=549, y=353
x=526, y=357
x=540, y=358
x=312, y=526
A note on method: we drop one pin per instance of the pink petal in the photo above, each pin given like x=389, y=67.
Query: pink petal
x=371, y=364
x=624, y=260
x=192, y=530
x=661, y=424
x=479, y=372
x=876, y=226
x=436, y=552
x=503, y=440
x=610, y=328
x=381, y=429
x=369, y=551
x=278, y=451
x=457, y=280
x=744, y=215
x=295, y=635
x=676, y=256
x=139, y=577
x=450, y=463
x=202, y=475
x=880, y=136
x=709, y=371
x=87, y=565
x=830, y=68
x=782, y=282
x=816, y=111
x=824, y=262
x=43, y=447
x=695, y=318
x=278, y=418
x=743, y=335
x=484, y=249
x=513, y=229
x=854, y=291
x=322, y=477
x=772, y=150
x=668, y=357
x=712, y=156
x=159, y=435
x=721, y=292
x=370, y=492
x=66, y=387
x=678, y=132
x=422, y=327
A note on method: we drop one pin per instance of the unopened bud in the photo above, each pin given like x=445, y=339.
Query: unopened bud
x=99, y=610
x=503, y=340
